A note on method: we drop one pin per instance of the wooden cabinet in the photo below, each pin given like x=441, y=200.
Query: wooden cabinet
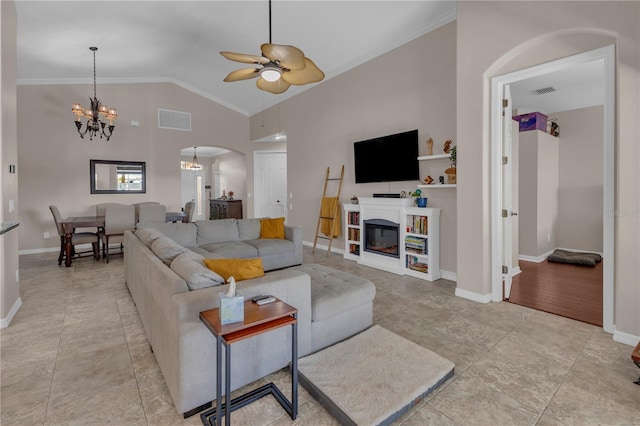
x=225, y=209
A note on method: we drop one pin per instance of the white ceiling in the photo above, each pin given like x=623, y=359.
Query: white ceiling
x=580, y=86
x=203, y=151
x=180, y=41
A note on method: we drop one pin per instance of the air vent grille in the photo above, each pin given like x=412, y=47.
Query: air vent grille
x=175, y=120
x=545, y=90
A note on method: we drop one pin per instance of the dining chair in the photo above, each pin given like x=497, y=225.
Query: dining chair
x=117, y=219
x=189, y=208
x=76, y=239
x=100, y=208
x=151, y=213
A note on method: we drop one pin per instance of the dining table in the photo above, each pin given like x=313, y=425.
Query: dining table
x=71, y=223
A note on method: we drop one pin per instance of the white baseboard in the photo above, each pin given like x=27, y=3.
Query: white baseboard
x=536, y=259
x=52, y=249
x=40, y=250
x=324, y=247
x=625, y=338
x=448, y=275
x=580, y=251
x=516, y=271
x=4, y=322
x=480, y=298
x=543, y=257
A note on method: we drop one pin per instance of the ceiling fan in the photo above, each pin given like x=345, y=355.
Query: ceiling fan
x=282, y=66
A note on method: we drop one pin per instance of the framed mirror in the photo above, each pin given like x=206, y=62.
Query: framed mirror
x=117, y=177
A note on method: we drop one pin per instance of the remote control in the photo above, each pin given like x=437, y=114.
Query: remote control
x=259, y=297
x=269, y=299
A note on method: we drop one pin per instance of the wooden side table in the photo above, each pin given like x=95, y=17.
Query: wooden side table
x=257, y=320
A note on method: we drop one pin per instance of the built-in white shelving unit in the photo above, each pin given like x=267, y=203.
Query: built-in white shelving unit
x=352, y=243
x=418, y=250
x=421, y=243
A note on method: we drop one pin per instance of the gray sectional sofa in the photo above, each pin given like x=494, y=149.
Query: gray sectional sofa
x=331, y=305
x=238, y=238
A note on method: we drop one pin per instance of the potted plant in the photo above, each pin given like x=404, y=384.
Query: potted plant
x=451, y=171
x=420, y=200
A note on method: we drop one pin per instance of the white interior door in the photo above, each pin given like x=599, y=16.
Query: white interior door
x=507, y=194
x=193, y=190
x=270, y=184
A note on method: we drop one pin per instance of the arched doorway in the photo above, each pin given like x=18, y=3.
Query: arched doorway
x=208, y=172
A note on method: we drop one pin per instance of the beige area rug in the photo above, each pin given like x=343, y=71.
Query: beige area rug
x=372, y=378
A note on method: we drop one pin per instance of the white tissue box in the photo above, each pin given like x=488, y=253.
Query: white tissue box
x=231, y=308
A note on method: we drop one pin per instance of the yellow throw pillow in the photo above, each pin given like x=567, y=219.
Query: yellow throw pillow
x=240, y=269
x=272, y=228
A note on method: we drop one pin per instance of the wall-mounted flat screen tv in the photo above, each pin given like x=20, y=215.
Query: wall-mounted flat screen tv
x=392, y=158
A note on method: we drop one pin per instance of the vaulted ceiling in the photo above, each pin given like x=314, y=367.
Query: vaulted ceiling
x=180, y=41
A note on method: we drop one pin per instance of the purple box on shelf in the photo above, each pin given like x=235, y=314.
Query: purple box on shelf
x=532, y=121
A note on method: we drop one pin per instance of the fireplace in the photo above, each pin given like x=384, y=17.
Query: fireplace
x=381, y=236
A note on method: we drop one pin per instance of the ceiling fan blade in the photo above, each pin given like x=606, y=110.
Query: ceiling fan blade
x=288, y=56
x=310, y=74
x=276, y=87
x=245, y=58
x=243, y=74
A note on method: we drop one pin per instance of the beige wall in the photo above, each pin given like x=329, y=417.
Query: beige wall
x=322, y=123
x=580, y=195
x=563, y=195
x=528, y=191
x=54, y=161
x=539, y=185
x=548, y=185
x=9, y=287
x=498, y=37
x=233, y=177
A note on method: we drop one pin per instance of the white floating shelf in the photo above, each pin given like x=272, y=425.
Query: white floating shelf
x=433, y=157
x=446, y=185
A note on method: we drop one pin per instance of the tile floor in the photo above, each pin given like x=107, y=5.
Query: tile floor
x=76, y=353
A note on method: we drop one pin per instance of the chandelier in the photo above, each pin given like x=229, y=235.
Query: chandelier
x=194, y=163
x=95, y=114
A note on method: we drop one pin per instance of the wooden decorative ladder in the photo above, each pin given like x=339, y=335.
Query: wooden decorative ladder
x=334, y=215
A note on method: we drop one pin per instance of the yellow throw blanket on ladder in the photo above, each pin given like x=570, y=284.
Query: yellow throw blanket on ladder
x=327, y=210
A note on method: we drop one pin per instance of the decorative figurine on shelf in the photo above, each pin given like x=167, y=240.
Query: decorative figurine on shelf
x=224, y=195
x=230, y=195
x=447, y=146
x=354, y=200
x=428, y=180
x=429, y=146
x=420, y=200
x=451, y=171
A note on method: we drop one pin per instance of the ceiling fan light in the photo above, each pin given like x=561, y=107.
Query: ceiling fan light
x=270, y=74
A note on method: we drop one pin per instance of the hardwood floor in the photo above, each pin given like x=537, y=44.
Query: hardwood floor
x=568, y=290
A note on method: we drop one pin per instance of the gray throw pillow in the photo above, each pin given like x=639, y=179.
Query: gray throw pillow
x=166, y=249
x=194, y=272
x=148, y=235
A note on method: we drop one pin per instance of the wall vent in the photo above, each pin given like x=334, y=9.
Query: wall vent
x=175, y=120
x=545, y=90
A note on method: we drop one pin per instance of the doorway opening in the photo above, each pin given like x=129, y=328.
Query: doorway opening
x=218, y=172
x=502, y=198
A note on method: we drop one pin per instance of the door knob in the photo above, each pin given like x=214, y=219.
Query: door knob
x=514, y=214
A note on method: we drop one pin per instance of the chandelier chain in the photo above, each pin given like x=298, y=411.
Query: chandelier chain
x=94, y=75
